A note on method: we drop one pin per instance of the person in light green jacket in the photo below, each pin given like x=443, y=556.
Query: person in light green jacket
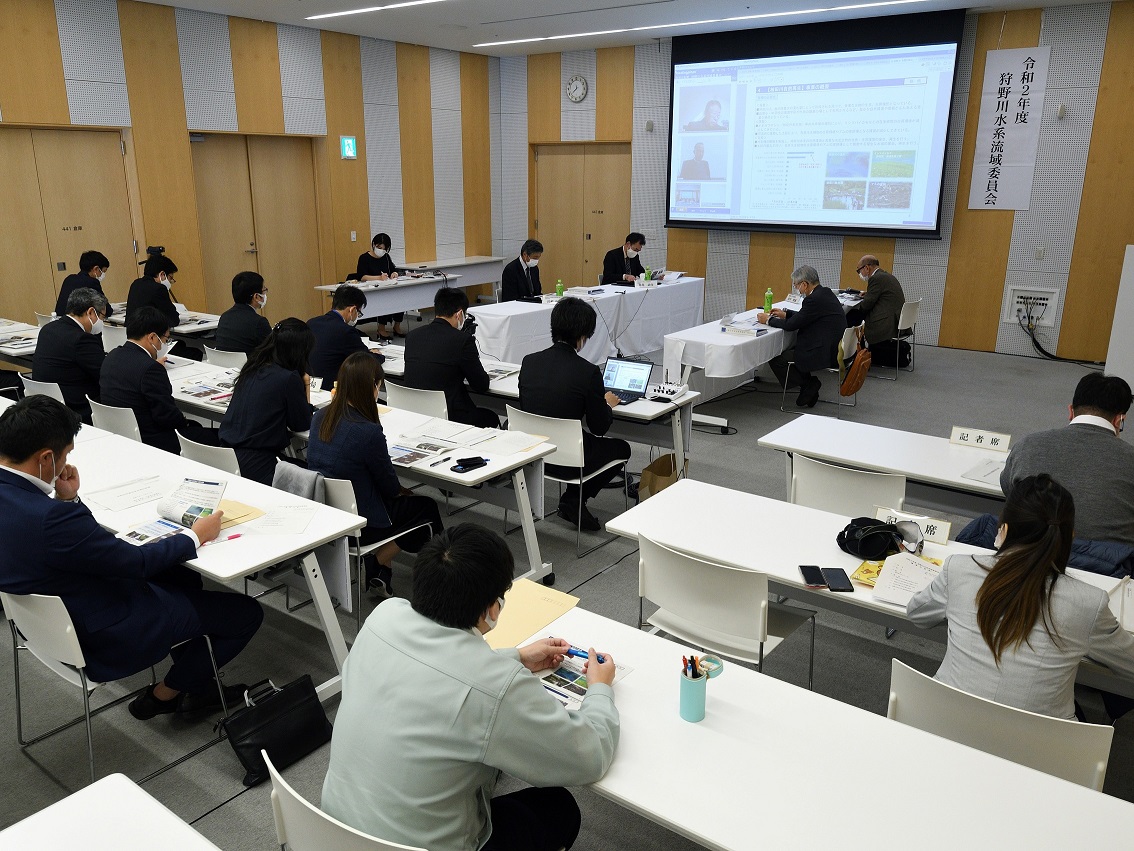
x=431, y=716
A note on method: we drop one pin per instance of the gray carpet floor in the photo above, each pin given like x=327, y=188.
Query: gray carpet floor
x=999, y=392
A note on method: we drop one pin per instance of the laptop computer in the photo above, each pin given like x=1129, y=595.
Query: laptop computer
x=627, y=379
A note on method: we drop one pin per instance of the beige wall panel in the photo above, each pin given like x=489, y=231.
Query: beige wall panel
x=854, y=247
x=978, y=247
x=27, y=259
x=1106, y=211
x=544, y=124
x=256, y=76
x=558, y=196
x=771, y=260
x=614, y=94
x=32, y=89
x=415, y=121
x=606, y=204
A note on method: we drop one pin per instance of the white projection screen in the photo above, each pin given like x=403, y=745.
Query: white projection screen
x=830, y=141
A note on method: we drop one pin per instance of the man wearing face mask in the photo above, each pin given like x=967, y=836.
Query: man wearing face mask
x=134, y=376
x=459, y=713
x=129, y=605
x=69, y=351
x=622, y=266
x=152, y=289
x=881, y=304
x=520, y=278
x=91, y=274
x=443, y=356
x=336, y=338
x=241, y=327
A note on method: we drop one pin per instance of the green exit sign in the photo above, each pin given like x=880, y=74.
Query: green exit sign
x=348, y=145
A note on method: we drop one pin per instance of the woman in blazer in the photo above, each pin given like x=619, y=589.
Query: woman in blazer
x=377, y=265
x=347, y=442
x=1018, y=625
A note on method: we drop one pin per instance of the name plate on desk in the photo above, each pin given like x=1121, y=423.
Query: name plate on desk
x=963, y=436
x=933, y=530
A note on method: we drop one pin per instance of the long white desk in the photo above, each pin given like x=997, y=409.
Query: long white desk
x=631, y=319
x=22, y=339
x=777, y=766
x=400, y=294
x=193, y=323
x=933, y=466
x=111, y=814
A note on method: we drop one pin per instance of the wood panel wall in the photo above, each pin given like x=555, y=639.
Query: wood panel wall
x=256, y=76
x=771, y=260
x=32, y=90
x=614, y=94
x=416, y=126
x=688, y=251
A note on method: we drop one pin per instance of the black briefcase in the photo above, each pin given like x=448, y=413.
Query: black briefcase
x=287, y=722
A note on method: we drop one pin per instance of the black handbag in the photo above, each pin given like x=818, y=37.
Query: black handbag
x=873, y=540
x=287, y=722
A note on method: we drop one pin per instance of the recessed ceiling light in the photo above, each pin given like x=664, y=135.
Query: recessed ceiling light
x=702, y=23
x=401, y=5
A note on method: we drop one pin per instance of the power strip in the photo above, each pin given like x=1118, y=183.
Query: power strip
x=664, y=392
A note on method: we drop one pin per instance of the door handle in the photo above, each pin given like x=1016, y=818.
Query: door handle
x=251, y=250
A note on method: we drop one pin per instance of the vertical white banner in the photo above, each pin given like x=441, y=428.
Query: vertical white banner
x=1011, y=107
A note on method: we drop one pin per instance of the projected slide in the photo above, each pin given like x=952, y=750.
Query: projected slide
x=841, y=140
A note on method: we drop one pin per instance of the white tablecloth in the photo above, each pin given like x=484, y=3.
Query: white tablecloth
x=720, y=354
x=633, y=320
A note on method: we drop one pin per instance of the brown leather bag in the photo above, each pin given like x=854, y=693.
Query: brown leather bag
x=856, y=370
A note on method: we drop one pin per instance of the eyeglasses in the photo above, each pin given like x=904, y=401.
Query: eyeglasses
x=860, y=268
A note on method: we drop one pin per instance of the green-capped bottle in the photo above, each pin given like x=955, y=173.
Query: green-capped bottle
x=559, y=287
x=768, y=296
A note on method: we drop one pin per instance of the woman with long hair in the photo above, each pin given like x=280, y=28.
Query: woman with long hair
x=347, y=442
x=1018, y=624
x=270, y=400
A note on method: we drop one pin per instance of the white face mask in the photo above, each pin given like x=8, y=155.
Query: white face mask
x=379, y=253
x=461, y=321
x=631, y=253
x=491, y=622
x=101, y=277
x=55, y=474
x=864, y=277
x=167, y=283
x=97, y=326
x=263, y=299
x=533, y=262
x=353, y=322
x=164, y=349
x=999, y=537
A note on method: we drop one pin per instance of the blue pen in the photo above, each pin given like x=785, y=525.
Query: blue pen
x=582, y=654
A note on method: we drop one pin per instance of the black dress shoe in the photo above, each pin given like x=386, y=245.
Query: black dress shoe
x=145, y=706
x=207, y=700
x=618, y=481
x=570, y=513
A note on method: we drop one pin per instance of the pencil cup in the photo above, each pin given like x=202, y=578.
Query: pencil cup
x=692, y=702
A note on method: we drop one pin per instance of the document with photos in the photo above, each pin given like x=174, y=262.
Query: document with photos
x=438, y=429
x=501, y=370
x=902, y=576
x=406, y=455
x=568, y=683
x=192, y=500
x=130, y=494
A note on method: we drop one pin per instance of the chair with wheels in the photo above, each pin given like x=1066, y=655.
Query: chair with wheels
x=218, y=457
x=1068, y=749
x=841, y=490
x=113, y=336
x=41, y=388
x=567, y=437
x=229, y=360
x=117, y=420
x=720, y=607
x=429, y=402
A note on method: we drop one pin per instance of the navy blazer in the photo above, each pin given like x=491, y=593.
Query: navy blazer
x=517, y=282
x=241, y=329
x=558, y=382
x=78, y=281
x=819, y=325
x=357, y=451
x=440, y=357
x=146, y=292
x=58, y=548
x=614, y=267
x=335, y=341
x=67, y=355
x=132, y=379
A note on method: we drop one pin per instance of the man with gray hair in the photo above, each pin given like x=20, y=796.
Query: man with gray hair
x=520, y=278
x=819, y=326
x=69, y=350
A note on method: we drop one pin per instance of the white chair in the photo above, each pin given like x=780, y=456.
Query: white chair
x=339, y=493
x=842, y=490
x=1067, y=749
x=113, y=336
x=721, y=607
x=43, y=318
x=907, y=327
x=302, y=826
x=41, y=388
x=567, y=437
x=46, y=630
x=218, y=457
x=848, y=345
x=229, y=360
x=429, y=402
x=118, y=420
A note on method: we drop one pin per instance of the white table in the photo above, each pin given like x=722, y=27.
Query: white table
x=19, y=353
x=189, y=378
x=633, y=320
x=111, y=814
x=400, y=294
x=193, y=323
x=719, y=354
x=777, y=766
x=933, y=466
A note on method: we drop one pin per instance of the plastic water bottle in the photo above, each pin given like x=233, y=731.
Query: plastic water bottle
x=768, y=296
x=559, y=287
x=649, y=274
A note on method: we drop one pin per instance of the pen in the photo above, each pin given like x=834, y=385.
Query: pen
x=222, y=540
x=442, y=461
x=582, y=654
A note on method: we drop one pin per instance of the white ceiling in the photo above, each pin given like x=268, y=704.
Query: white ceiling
x=462, y=24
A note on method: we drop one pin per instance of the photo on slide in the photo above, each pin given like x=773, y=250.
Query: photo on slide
x=844, y=194
x=705, y=108
x=893, y=164
x=848, y=164
x=702, y=158
x=888, y=195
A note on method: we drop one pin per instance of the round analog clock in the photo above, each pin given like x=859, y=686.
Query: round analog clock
x=577, y=88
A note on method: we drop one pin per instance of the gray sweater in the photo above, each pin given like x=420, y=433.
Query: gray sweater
x=1094, y=465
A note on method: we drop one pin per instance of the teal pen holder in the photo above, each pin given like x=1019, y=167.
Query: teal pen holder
x=692, y=699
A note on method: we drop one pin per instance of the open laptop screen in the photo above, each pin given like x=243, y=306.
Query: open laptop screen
x=629, y=375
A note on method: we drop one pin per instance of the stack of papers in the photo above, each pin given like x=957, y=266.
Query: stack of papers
x=902, y=576
x=987, y=471
x=1121, y=603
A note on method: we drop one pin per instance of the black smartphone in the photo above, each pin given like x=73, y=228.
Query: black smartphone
x=812, y=576
x=837, y=579
x=464, y=468
x=474, y=459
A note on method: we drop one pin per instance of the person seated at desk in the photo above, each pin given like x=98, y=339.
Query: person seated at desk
x=881, y=304
x=696, y=168
x=819, y=324
x=377, y=265
x=558, y=382
x=69, y=352
x=130, y=605
x=520, y=278
x=443, y=356
x=92, y=272
x=153, y=289
x=241, y=328
x=347, y=442
x=431, y=716
x=134, y=376
x=621, y=266
x=271, y=399
x=1018, y=625
x=335, y=334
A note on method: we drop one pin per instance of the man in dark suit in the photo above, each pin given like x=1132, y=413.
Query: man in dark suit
x=69, y=350
x=130, y=605
x=696, y=168
x=558, y=382
x=335, y=335
x=92, y=272
x=442, y=356
x=819, y=326
x=133, y=376
x=152, y=289
x=881, y=303
x=520, y=278
x=621, y=265
x=241, y=328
